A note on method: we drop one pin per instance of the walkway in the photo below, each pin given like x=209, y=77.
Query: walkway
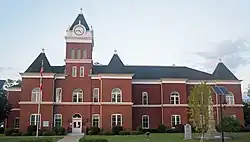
x=71, y=138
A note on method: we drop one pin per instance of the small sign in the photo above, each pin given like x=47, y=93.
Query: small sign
x=188, y=132
x=45, y=123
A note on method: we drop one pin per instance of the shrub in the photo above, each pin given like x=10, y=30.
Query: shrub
x=117, y=129
x=27, y=134
x=1, y=130
x=179, y=128
x=59, y=131
x=124, y=133
x=161, y=128
x=136, y=133
x=246, y=129
x=230, y=124
x=9, y=131
x=94, y=130
x=31, y=128
x=108, y=133
x=47, y=133
x=92, y=140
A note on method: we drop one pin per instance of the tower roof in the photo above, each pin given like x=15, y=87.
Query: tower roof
x=80, y=19
x=223, y=73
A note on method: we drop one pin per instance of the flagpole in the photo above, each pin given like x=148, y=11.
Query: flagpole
x=39, y=102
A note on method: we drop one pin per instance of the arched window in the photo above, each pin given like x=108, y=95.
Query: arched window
x=74, y=71
x=96, y=120
x=35, y=95
x=145, y=98
x=230, y=99
x=116, y=95
x=145, y=121
x=175, y=98
x=76, y=116
x=77, y=95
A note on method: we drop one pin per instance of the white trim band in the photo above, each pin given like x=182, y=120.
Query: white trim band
x=89, y=61
x=45, y=75
x=14, y=89
x=78, y=103
x=15, y=109
x=112, y=76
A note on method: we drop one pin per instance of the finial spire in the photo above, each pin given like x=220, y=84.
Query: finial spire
x=115, y=51
x=43, y=50
x=220, y=60
x=81, y=11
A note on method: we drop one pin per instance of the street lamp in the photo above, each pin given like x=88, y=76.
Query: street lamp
x=222, y=106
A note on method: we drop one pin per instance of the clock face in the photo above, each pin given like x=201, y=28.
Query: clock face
x=79, y=30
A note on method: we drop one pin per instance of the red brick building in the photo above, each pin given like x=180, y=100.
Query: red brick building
x=80, y=94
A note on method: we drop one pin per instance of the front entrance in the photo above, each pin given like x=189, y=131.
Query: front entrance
x=77, y=123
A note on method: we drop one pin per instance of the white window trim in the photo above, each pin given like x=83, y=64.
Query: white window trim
x=115, y=119
x=97, y=95
x=82, y=71
x=38, y=94
x=57, y=90
x=74, y=71
x=234, y=116
x=171, y=95
x=98, y=116
x=36, y=118
x=142, y=121
x=78, y=53
x=55, y=119
x=144, y=94
x=229, y=99
x=15, y=123
x=77, y=96
x=175, y=118
x=116, y=95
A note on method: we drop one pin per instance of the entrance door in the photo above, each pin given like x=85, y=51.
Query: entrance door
x=77, y=123
x=77, y=126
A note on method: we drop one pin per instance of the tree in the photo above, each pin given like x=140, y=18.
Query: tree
x=4, y=106
x=198, y=102
x=246, y=113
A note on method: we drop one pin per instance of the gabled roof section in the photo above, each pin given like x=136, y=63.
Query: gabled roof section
x=221, y=72
x=82, y=20
x=36, y=65
x=2, y=82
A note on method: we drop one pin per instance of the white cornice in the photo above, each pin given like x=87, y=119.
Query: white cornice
x=76, y=103
x=45, y=75
x=78, y=61
x=184, y=81
x=112, y=76
x=14, y=89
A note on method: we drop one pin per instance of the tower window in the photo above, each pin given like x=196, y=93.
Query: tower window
x=72, y=54
x=84, y=53
x=78, y=54
x=82, y=71
x=74, y=71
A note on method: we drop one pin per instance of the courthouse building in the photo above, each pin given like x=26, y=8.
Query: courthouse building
x=80, y=94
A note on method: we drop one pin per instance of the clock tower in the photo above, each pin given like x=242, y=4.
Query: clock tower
x=79, y=46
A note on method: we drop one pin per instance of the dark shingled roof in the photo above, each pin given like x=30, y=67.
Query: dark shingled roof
x=223, y=73
x=2, y=83
x=116, y=66
x=156, y=72
x=82, y=20
x=36, y=65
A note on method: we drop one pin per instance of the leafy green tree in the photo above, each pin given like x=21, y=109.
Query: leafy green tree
x=4, y=106
x=198, y=102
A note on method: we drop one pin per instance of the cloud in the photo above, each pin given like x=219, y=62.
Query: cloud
x=233, y=54
x=5, y=68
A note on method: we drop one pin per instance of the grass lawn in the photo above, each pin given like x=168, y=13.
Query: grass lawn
x=239, y=137
x=15, y=138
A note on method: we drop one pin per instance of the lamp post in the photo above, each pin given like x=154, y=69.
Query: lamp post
x=221, y=118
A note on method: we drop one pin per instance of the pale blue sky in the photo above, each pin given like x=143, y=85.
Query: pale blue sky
x=193, y=33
